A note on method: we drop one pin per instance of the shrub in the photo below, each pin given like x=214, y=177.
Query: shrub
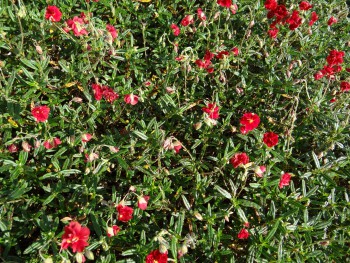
x=195, y=131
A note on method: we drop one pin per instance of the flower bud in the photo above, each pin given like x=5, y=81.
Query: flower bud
x=143, y=202
x=39, y=50
x=26, y=146
x=162, y=249
x=48, y=260
x=79, y=257
x=197, y=125
x=89, y=255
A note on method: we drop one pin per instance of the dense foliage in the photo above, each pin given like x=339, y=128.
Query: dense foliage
x=187, y=131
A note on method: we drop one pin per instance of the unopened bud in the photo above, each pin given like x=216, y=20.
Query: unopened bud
x=48, y=260
x=38, y=49
x=89, y=255
x=197, y=125
x=162, y=249
x=79, y=257
x=198, y=216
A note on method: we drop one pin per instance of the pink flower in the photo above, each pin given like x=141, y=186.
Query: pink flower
x=187, y=20
x=285, y=180
x=77, y=24
x=124, y=213
x=131, y=99
x=201, y=15
x=225, y=3
x=212, y=110
x=26, y=146
x=41, y=113
x=176, y=29
x=91, y=157
x=111, y=29
x=332, y=20
x=13, y=148
x=75, y=236
x=143, y=202
x=239, y=159
x=243, y=234
x=52, y=143
x=113, y=231
x=260, y=170
x=234, y=9
x=53, y=13
x=86, y=137
x=304, y=5
x=250, y=121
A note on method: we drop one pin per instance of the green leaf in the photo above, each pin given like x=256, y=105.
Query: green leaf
x=141, y=135
x=223, y=192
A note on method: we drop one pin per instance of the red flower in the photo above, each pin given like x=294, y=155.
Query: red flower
x=270, y=4
x=222, y=54
x=334, y=99
x=201, y=14
x=111, y=29
x=177, y=146
x=124, y=213
x=109, y=94
x=332, y=20
x=314, y=18
x=273, y=32
x=235, y=51
x=280, y=12
x=53, y=143
x=318, y=75
x=187, y=20
x=238, y=159
x=212, y=110
x=86, y=137
x=41, y=113
x=176, y=29
x=285, y=180
x=156, y=257
x=225, y=3
x=131, y=99
x=294, y=20
x=304, y=5
x=335, y=57
x=113, y=231
x=260, y=170
x=243, y=234
x=75, y=236
x=97, y=91
x=270, y=139
x=53, y=13
x=250, y=121
x=77, y=25
x=208, y=55
x=143, y=202
x=345, y=86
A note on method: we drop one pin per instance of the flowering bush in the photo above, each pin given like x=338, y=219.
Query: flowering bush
x=174, y=131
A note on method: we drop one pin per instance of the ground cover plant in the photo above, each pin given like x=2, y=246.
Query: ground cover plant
x=174, y=131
